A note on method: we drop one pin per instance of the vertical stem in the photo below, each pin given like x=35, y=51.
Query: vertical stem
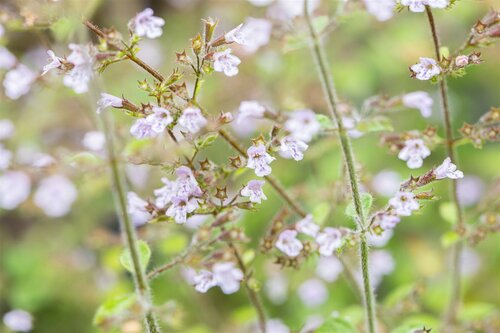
x=331, y=98
x=454, y=302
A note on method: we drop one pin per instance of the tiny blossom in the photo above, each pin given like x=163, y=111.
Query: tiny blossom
x=426, y=69
x=461, y=61
x=380, y=240
x=386, y=182
x=18, y=321
x=160, y=119
x=186, y=182
x=55, y=195
x=414, y=153
x=307, y=226
x=145, y=24
x=387, y=221
x=14, y=189
x=225, y=62
x=254, y=191
x=82, y=59
x=276, y=288
x=416, y=6
x=285, y=10
x=419, y=100
x=188, y=274
x=7, y=59
x=470, y=190
x=55, y=62
x=236, y=36
x=350, y=124
x=192, y=120
x=181, y=206
x=288, y=243
x=5, y=157
x=448, y=170
x=107, y=101
x=438, y=3
x=404, y=203
x=329, y=240
x=250, y=109
x=470, y=261
x=259, y=160
x=302, y=124
x=136, y=208
x=94, y=141
x=42, y=160
x=6, y=129
x=383, y=10
x=18, y=81
x=276, y=326
x=292, y=147
x=165, y=194
x=204, y=280
x=142, y=129
x=227, y=277
x=137, y=174
x=329, y=268
x=313, y=292
x=381, y=264
x=257, y=33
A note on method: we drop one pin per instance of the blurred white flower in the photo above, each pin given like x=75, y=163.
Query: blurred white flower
x=55, y=195
x=151, y=52
x=328, y=241
x=227, y=276
x=192, y=120
x=142, y=128
x=381, y=240
x=107, y=101
x=7, y=59
x=5, y=157
x=275, y=326
x=313, y=292
x=82, y=58
x=15, y=188
x=55, y=62
x=288, y=243
x=18, y=81
x=292, y=147
x=250, y=109
x=94, y=141
x=42, y=160
x=259, y=160
x=7, y=129
x=253, y=190
x=414, y=153
x=469, y=190
x=419, y=100
x=461, y=61
x=186, y=182
x=387, y=221
x=383, y=10
x=329, y=268
x=225, y=62
x=180, y=208
x=416, y=6
x=302, y=124
x=204, y=280
x=137, y=174
x=426, y=69
x=386, y=182
x=470, y=261
x=285, y=10
x=381, y=264
x=404, y=203
x=236, y=36
x=448, y=170
x=276, y=288
x=257, y=33
x=18, y=320
x=307, y=226
x=438, y=3
x=145, y=24
x=136, y=209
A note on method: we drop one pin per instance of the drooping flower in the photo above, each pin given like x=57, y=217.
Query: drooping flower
x=387, y=221
x=18, y=320
x=329, y=240
x=225, y=62
x=404, y=203
x=236, y=35
x=250, y=109
x=414, y=153
x=289, y=244
x=307, y=226
x=426, y=69
x=419, y=100
x=329, y=268
x=5, y=157
x=192, y=120
x=18, y=81
x=204, y=280
x=7, y=129
x=145, y=24
x=383, y=10
x=180, y=208
x=254, y=191
x=448, y=170
x=257, y=33
x=302, y=124
x=82, y=58
x=292, y=147
x=94, y=141
x=227, y=276
x=7, y=59
x=313, y=292
x=259, y=160
x=55, y=62
x=136, y=208
x=107, y=101
x=55, y=195
x=14, y=189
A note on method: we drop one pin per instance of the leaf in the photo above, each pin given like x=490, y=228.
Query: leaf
x=337, y=325
x=320, y=212
x=206, y=140
x=375, y=124
x=144, y=256
x=324, y=121
x=366, y=204
x=407, y=328
x=448, y=212
x=449, y=238
x=399, y=294
x=112, y=307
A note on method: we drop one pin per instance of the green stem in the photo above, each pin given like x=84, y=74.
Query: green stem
x=331, y=98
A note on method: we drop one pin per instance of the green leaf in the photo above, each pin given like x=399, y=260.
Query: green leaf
x=320, y=212
x=399, y=294
x=206, y=140
x=407, y=328
x=448, y=212
x=366, y=204
x=324, y=121
x=449, y=238
x=476, y=311
x=144, y=256
x=337, y=325
x=113, y=307
x=375, y=124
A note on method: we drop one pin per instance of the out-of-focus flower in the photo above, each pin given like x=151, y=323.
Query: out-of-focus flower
x=288, y=243
x=227, y=276
x=416, y=6
x=329, y=268
x=2, y=29
x=7, y=59
x=469, y=190
x=381, y=264
x=383, y=10
x=137, y=174
x=18, y=320
x=145, y=24
x=414, y=153
x=94, y=141
x=186, y=182
x=204, y=280
x=275, y=326
x=438, y=3
x=276, y=288
x=292, y=147
x=470, y=261
x=253, y=190
x=55, y=195
x=259, y=160
x=426, y=69
x=302, y=124
x=226, y=62
x=136, y=208
x=82, y=58
x=14, y=189
x=142, y=129
x=7, y=129
x=328, y=241
x=386, y=182
x=18, y=81
x=159, y=119
x=313, y=292
x=419, y=100
x=181, y=206
x=285, y=10
x=107, y=101
x=404, y=203
x=448, y=170
x=307, y=226
x=387, y=221
x=257, y=33
x=236, y=36
x=192, y=120
x=461, y=61
x=42, y=160
x=250, y=109
x=5, y=157
x=55, y=62
x=350, y=124
x=380, y=240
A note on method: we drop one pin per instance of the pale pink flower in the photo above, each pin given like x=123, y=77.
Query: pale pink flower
x=329, y=268
x=5, y=157
x=18, y=320
x=227, y=276
x=107, y=101
x=204, y=280
x=82, y=58
x=180, y=208
x=448, y=170
x=225, y=62
x=192, y=120
x=250, y=109
x=414, y=153
x=7, y=129
x=289, y=244
x=329, y=240
x=302, y=124
x=307, y=226
x=383, y=10
x=18, y=81
x=259, y=160
x=387, y=221
x=7, y=59
x=404, y=203
x=136, y=208
x=461, y=61
x=426, y=69
x=313, y=292
x=292, y=147
x=145, y=24
x=94, y=141
x=55, y=62
x=15, y=188
x=236, y=36
x=142, y=129
x=254, y=191
x=257, y=33
x=186, y=182
x=419, y=100
x=165, y=194
x=55, y=195
x=160, y=119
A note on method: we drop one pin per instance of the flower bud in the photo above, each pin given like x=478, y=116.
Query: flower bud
x=461, y=61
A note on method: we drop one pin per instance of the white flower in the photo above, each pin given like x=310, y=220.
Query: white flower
x=145, y=24
x=18, y=81
x=18, y=321
x=302, y=124
x=186, y=182
x=350, y=124
x=275, y=326
x=438, y=3
x=192, y=120
x=14, y=189
x=159, y=119
x=419, y=100
x=470, y=189
x=386, y=182
x=381, y=264
x=259, y=160
x=2, y=29
x=404, y=203
x=94, y=141
x=383, y=10
x=204, y=280
x=236, y=36
x=254, y=191
x=55, y=62
x=250, y=109
x=288, y=243
x=328, y=241
x=257, y=33
x=107, y=101
x=7, y=59
x=6, y=129
x=416, y=6
x=292, y=147
x=136, y=208
x=426, y=69
x=313, y=292
x=289, y=9
x=227, y=277
x=5, y=157
x=165, y=194
x=461, y=61
x=448, y=170
x=307, y=226
x=225, y=62
x=276, y=288
x=82, y=58
x=55, y=195
x=42, y=160
x=181, y=206
x=142, y=129
x=387, y=221
x=329, y=268
x=380, y=240
x=414, y=153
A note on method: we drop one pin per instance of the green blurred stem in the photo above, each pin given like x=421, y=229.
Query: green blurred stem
x=455, y=274
x=331, y=98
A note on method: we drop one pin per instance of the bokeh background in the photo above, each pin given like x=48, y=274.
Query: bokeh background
x=61, y=270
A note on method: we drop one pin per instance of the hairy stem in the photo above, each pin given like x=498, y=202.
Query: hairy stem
x=454, y=301
x=331, y=99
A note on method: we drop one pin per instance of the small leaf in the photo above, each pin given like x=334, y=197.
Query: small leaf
x=366, y=204
x=320, y=212
x=206, y=140
x=144, y=256
x=407, y=328
x=337, y=325
x=449, y=238
x=448, y=212
x=375, y=124
x=112, y=307
x=324, y=121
